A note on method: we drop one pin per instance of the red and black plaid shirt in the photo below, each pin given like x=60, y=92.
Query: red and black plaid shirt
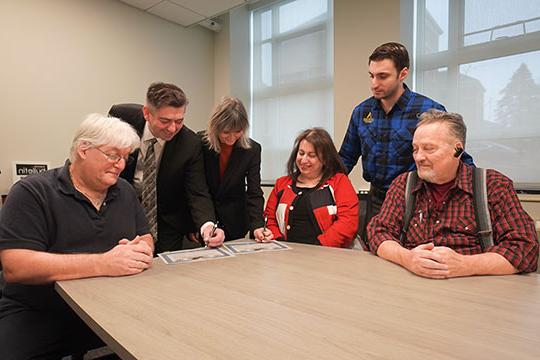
x=454, y=225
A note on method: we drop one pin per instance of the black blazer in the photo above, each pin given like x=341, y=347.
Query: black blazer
x=183, y=201
x=238, y=197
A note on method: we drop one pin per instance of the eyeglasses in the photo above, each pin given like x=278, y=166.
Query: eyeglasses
x=113, y=158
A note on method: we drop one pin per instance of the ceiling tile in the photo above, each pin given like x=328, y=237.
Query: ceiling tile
x=209, y=8
x=141, y=4
x=176, y=13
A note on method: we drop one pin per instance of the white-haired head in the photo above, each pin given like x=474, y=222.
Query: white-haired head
x=98, y=130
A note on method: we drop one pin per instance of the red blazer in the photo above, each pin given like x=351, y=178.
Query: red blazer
x=334, y=205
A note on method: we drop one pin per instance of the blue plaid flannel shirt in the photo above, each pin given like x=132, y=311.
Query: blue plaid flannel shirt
x=385, y=140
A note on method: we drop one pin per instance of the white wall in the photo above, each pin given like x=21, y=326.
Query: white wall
x=63, y=59
x=232, y=56
x=222, y=54
x=358, y=29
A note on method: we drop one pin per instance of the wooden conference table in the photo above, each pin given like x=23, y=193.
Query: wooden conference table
x=309, y=302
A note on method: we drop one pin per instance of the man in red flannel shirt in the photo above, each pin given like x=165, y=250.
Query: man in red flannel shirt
x=441, y=240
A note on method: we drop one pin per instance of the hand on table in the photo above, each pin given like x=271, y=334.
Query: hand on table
x=213, y=240
x=263, y=235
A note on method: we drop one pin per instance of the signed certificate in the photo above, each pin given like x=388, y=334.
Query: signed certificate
x=193, y=255
x=246, y=247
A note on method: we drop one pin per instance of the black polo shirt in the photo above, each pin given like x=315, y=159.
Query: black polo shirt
x=46, y=213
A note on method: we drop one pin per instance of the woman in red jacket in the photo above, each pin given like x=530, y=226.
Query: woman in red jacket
x=316, y=202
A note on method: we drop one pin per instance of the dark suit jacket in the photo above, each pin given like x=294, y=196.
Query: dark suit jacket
x=238, y=198
x=183, y=200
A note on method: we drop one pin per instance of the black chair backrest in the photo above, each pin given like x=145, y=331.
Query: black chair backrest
x=361, y=239
x=127, y=112
x=2, y=283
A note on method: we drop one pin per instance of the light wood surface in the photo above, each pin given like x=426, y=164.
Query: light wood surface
x=309, y=302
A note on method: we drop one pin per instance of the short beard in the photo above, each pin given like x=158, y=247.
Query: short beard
x=389, y=94
x=426, y=175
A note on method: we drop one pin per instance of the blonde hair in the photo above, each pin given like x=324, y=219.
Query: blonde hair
x=229, y=115
x=98, y=130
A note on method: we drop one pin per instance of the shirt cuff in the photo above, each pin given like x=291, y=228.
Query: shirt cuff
x=208, y=223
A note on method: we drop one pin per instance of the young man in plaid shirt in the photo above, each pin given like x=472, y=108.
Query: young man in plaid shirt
x=382, y=127
x=441, y=240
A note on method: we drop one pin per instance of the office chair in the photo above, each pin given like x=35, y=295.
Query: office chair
x=360, y=241
x=103, y=353
x=2, y=281
x=127, y=111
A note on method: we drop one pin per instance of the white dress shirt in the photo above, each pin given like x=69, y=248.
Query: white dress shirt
x=158, y=150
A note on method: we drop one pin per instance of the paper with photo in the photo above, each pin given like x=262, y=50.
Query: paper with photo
x=194, y=255
x=246, y=247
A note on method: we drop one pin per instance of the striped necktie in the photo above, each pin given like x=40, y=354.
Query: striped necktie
x=148, y=192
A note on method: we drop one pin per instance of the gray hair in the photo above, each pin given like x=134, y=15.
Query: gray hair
x=98, y=130
x=455, y=122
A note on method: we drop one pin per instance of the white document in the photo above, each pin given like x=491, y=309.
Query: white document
x=246, y=247
x=193, y=255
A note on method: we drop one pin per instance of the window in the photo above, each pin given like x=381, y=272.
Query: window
x=481, y=58
x=291, y=76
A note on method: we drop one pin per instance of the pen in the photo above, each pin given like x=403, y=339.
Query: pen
x=264, y=229
x=213, y=233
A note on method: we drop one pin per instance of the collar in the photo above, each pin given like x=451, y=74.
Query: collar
x=464, y=178
x=147, y=135
x=404, y=98
x=65, y=184
x=402, y=102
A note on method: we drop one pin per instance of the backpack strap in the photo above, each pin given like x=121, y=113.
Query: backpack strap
x=410, y=202
x=481, y=209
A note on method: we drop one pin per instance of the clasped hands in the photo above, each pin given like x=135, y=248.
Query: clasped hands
x=129, y=257
x=437, y=262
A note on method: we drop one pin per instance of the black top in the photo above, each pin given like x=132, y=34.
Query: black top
x=46, y=213
x=303, y=227
x=237, y=197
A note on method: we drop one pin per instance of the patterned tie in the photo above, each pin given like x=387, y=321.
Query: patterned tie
x=148, y=192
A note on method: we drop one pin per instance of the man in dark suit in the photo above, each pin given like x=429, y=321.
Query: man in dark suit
x=182, y=203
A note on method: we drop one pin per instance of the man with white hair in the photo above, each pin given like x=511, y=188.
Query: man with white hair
x=442, y=238
x=76, y=221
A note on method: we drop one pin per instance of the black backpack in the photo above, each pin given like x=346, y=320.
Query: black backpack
x=481, y=209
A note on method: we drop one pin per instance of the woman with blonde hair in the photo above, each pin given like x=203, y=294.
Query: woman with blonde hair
x=233, y=169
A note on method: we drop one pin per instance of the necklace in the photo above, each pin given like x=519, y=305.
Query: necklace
x=308, y=182
x=96, y=201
